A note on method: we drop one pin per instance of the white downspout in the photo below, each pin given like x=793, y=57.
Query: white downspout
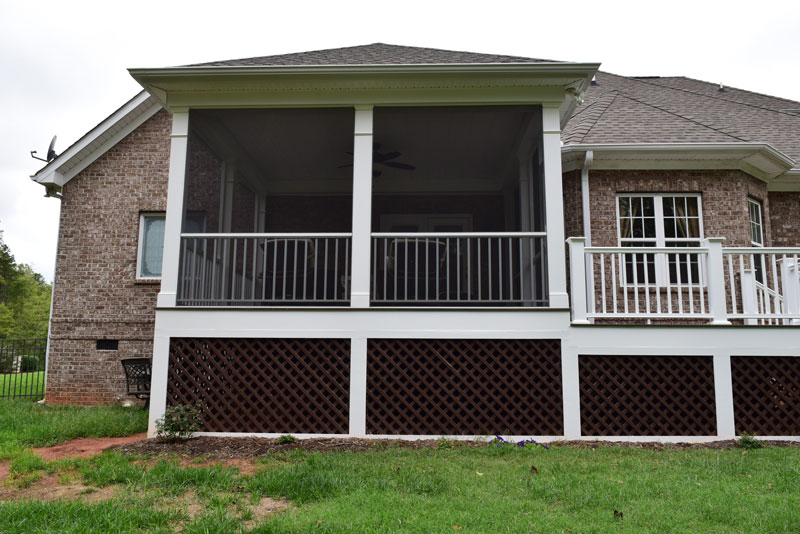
x=587, y=227
x=587, y=220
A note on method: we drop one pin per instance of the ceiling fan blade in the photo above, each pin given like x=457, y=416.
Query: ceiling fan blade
x=381, y=158
x=398, y=165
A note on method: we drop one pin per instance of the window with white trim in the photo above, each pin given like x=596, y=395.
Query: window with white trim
x=660, y=220
x=151, y=245
x=756, y=235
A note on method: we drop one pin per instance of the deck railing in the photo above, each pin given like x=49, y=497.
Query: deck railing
x=264, y=269
x=707, y=283
x=459, y=269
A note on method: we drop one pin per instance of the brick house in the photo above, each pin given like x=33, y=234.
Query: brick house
x=371, y=241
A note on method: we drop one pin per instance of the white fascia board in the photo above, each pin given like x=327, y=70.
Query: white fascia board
x=786, y=183
x=84, y=151
x=761, y=160
x=161, y=82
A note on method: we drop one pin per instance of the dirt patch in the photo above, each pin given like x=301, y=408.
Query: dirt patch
x=49, y=488
x=220, y=449
x=265, y=508
x=4, y=470
x=84, y=447
x=228, y=448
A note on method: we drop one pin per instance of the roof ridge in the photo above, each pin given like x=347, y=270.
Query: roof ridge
x=649, y=82
x=676, y=114
x=372, y=52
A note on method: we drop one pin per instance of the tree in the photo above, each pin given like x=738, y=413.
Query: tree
x=24, y=298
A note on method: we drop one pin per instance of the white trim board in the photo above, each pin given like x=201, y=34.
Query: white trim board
x=98, y=140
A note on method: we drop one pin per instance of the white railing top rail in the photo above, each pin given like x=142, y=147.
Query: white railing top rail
x=761, y=250
x=650, y=250
x=281, y=235
x=412, y=235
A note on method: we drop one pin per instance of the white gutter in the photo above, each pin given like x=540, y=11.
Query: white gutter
x=587, y=219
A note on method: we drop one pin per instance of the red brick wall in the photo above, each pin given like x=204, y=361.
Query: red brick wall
x=724, y=197
x=96, y=294
x=785, y=219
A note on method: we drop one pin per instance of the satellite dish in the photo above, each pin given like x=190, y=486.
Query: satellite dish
x=51, y=150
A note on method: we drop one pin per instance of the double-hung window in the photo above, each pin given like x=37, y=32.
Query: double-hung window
x=757, y=236
x=151, y=245
x=660, y=220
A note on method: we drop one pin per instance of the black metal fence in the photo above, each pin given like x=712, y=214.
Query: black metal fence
x=22, y=366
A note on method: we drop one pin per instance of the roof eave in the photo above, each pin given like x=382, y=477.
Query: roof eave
x=761, y=160
x=97, y=141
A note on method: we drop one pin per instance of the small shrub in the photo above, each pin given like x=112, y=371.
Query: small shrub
x=748, y=442
x=286, y=439
x=444, y=444
x=179, y=422
x=30, y=364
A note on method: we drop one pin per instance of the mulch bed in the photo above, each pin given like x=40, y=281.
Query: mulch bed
x=244, y=447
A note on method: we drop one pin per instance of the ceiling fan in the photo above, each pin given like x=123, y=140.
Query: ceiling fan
x=383, y=158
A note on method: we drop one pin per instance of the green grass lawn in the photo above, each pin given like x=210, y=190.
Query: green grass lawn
x=22, y=384
x=483, y=489
x=24, y=423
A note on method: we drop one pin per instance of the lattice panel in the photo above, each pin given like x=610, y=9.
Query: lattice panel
x=467, y=386
x=263, y=385
x=647, y=396
x=766, y=395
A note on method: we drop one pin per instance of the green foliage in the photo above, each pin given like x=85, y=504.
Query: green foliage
x=179, y=422
x=24, y=299
x=748, y=442
x=444, y=444
x=286, y=439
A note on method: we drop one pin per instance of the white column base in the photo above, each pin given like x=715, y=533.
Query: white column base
x=358, y=387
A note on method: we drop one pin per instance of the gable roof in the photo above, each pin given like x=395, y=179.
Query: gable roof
x=373, y=54
x=620, y=109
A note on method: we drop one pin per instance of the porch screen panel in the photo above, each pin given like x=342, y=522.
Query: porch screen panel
x=263, y=385
x=766, y=395
x=464, y=387
x=647, y=396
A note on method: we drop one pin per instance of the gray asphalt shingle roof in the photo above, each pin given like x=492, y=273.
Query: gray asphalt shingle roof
x=372, y=54
x=619, y=109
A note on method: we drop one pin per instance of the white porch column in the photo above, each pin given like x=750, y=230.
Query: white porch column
x=716, y=281
x=172, y=226
x=578, y=272
x=358, y=386
x=570, y=384
x=158, y=379
x=723, y=393
x=362, y=207
x=554, y=207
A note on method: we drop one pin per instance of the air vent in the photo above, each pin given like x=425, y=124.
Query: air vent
x=107, y=344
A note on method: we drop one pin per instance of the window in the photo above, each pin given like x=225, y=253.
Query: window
x=660, y=220
x=151, y=245
x=757, y=236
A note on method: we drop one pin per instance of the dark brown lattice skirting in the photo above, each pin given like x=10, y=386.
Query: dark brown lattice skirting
x=766, y=395
x=647, y=396
x=263, y=385
x=466, y=387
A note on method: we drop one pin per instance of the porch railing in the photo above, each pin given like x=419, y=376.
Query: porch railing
x=264, y=269
x=459, y=269
x=711, y=283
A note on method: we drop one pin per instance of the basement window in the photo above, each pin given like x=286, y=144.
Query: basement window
x=107, y=344
x=151, y=245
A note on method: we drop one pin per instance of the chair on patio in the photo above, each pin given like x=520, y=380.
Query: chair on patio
x=137, y=376
x=417, y=268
